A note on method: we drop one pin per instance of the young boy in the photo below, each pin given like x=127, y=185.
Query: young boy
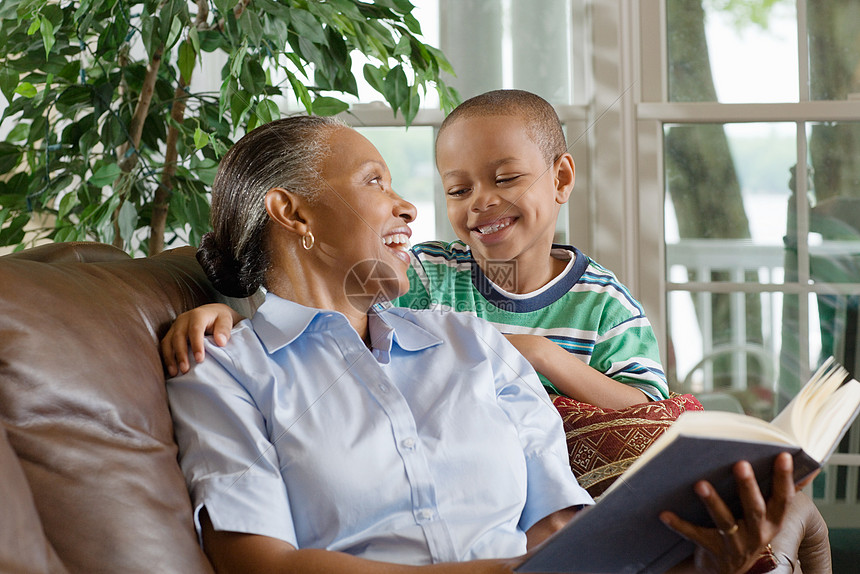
x=506, y=173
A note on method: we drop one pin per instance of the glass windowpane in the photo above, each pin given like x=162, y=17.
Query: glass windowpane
x=409, y=156
x=732, y=52
x=731, y=365
x=834, y=223
x=834, y=49
x=727, y=201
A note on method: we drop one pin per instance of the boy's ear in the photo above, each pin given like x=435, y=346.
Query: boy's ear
x=286, y=210
x=565, y=176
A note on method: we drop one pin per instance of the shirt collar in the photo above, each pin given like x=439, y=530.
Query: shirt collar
x=388, y=324
x=278, y=322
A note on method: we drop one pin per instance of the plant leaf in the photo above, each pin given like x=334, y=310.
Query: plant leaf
x=176, y=27
x=204, y=169
x=8, y=82
x=127, y=221
x=105, y=175
x=403, y=47
x=201, y=138
x=237, y=59
x=194, y=36
x=375, y=77
x=10, y=157
x=302, y=94
x=26, y=89
x=69, y=201
x=413, y=24
x=306, y=26
x=240, y=102
x=47, y=31
x=252, y=27
x=17, y=134
x=441, y=60
x=328, y=106
x=396, y=87
x=14, y=232
x=410, y=106
x=186, y=59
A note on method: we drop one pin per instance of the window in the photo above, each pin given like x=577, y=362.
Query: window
x=519, y=45
x=746, y=122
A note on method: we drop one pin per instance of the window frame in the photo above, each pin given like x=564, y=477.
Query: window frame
x=637, y=212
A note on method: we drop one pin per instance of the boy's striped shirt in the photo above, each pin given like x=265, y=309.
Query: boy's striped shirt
x=585, y=310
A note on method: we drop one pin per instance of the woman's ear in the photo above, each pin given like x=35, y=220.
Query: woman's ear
x=565, y=177
x=286, y=210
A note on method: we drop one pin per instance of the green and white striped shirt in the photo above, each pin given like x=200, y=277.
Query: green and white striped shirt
x=585, y=310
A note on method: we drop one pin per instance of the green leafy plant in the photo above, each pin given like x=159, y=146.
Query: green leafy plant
x=108, y=142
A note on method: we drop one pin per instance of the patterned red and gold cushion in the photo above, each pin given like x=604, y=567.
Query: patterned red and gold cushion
x=603, y=443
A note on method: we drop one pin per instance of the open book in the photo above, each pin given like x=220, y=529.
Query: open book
x=622, y=532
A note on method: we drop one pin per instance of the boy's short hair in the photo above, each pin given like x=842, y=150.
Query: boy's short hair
x=542, y=124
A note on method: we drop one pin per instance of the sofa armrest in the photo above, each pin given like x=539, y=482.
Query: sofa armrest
x=71, y=252
x=84, y=408
x=23, y=546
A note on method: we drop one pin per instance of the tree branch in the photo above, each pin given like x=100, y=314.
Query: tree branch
x=161, y=201
x=141, y=110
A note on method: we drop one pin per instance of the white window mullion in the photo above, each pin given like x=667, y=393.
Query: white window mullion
x=802, y=230
x=802, y=52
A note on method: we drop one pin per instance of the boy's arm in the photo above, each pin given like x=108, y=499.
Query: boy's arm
x=573, y=377
x=217, y=319
x=190, y=328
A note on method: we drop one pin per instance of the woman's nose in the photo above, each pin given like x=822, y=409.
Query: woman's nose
x=405, y=210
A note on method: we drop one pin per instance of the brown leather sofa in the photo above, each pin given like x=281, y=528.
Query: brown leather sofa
x=88, y=475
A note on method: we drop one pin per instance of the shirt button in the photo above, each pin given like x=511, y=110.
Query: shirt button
x=383, y=387
x=425, y=514
x=408, y=443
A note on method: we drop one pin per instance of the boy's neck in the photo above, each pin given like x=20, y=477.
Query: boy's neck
x=517, y=277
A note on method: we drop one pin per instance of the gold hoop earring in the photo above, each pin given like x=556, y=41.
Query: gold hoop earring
x=308, y=240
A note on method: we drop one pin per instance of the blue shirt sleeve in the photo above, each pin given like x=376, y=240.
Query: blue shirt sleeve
x=229, y=463
x=551, y=484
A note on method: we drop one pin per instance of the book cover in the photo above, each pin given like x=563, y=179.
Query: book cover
x=623, y=534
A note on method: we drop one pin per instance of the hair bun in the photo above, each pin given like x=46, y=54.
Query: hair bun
x=222, y=269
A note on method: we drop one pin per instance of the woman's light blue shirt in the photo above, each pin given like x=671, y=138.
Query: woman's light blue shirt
x=438, y=444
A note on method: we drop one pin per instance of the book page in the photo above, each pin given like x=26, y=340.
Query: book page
x=831, y=421
x=818, y=415
x=802, y=408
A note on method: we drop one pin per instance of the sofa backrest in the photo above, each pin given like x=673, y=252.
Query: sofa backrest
x=84, y=408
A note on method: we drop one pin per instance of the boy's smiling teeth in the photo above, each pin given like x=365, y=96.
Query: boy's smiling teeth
x=494, y=226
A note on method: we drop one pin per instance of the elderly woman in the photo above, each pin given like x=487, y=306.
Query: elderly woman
x=331, y=435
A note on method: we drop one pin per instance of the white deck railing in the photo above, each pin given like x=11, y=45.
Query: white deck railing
x=691, y=264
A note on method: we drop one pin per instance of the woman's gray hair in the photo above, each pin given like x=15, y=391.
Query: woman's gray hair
x=285, y=153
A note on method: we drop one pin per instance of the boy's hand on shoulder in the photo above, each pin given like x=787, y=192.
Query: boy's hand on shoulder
x=191, y=328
